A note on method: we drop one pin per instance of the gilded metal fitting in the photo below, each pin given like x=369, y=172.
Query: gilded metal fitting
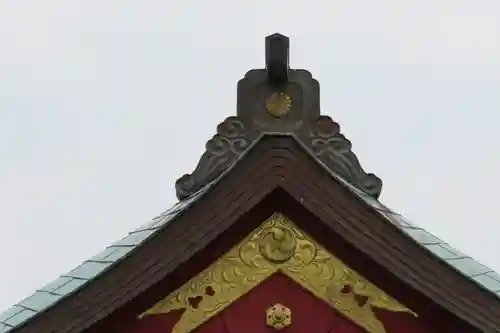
x=278, y=317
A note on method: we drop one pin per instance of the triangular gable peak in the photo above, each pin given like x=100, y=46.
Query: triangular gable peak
x=278, y=224
x=277, y=246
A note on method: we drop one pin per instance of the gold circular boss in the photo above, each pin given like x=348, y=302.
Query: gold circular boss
x=278, y=104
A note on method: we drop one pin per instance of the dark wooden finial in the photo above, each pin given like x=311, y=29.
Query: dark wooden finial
x=277, y=59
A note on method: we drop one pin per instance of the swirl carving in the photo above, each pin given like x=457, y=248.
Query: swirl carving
x=334, y=149
x=221, y=151
x=277, y=246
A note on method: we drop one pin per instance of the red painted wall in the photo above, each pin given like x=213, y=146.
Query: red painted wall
x=309, y=314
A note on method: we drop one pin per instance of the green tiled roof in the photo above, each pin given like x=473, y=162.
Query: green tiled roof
x=68, y=283
x=472, y=269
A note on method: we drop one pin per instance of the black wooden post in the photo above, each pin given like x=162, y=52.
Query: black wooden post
x=277, y=59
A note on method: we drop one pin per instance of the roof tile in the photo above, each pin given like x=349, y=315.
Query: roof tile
x=454, y=250
x=88, y=270
x=56, y=284
x=488, y=282
x=114, y=253
x=70, y=286
x=3, y=328
x=39, y=300
x=398, y=219
x=10, y=312
x=20, y=317
x=135, y=238
x=441, y=251
x=102, y=256
x=422, y=236
x=494, y=275
x=469, y=266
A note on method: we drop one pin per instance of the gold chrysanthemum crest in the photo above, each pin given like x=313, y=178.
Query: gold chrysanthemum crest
x=278, y=104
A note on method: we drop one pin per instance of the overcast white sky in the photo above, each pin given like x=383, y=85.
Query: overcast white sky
x=103, y=104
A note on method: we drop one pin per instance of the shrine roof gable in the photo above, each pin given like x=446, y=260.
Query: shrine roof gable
x=278, y=140
x=88, y=273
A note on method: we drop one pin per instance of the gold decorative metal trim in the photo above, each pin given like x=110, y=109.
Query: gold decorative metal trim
x=278, y=317
x=277, y=246
x=278, y=104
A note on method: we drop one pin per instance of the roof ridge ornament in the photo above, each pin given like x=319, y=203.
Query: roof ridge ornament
x=278, y=99
x=277, y=59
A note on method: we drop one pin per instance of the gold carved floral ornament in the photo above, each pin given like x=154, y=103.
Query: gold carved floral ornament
x=277, y=246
